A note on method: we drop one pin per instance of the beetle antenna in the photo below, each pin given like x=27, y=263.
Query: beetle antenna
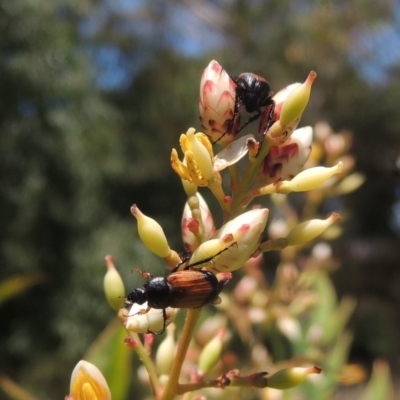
x=145, y=274
x=208, y=259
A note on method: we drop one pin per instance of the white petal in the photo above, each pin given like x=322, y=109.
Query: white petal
x=232, y=153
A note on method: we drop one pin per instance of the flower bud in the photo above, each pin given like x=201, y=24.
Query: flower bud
x=246, y=231
x=189, y=187
x=197, y=166
x=309, y=179
x=350, y=183
x=87, y=382
x=285, y=161
x=217, y=104
x=211, y=353
x=200, y=155
x=278, y=129
x=297, y=100
x=196, y=211
x=151, y=321
x=289, y=106
x=290, y=327
x=211, y=250
x=309, y=230
x=165, y=355
x=209, y=328
x=113, y=285
x=290, y=377
x=151, y=233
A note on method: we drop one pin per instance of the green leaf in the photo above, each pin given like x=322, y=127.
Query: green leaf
x=380, y=385
x=13, y=390
x=16, y=284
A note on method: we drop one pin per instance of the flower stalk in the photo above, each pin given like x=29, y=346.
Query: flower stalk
x=275, y=166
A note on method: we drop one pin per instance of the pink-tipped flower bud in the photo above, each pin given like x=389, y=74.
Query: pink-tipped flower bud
x=211, y=353
x=151, y=233
x=291, y=377
x=245, y=231
x=166, y=353
x=217, y=104
x=195, y=213
x=87, y=382
x=309, y=230
x=285, y=161
x=150, y=321
x=113, y=285
x=309, y=179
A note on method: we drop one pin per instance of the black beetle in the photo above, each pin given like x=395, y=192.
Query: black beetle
x=252, y=94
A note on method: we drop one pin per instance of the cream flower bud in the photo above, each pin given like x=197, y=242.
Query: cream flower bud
x=189, y=187
x=246, y=232
x=297, y=100
x=212, y=249
x=309, y=179
x=165, y=355
x=209, y=328
x=151, y=233
x=309, y=230
x=290, y=109
x=217, y=103
x=151, y=321
x=200, y=155
x=290, y=327
x=350, y=183
x=196, y=211
x=88, y=383
x=290, y=377
x=211, y=353
x=113, y=285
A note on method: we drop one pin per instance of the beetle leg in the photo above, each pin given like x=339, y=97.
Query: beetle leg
x=145, y=274
x=143, y=311
x=269, y=123
x=255, y=116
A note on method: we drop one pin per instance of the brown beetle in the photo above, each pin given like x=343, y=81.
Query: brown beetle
x=189, y=288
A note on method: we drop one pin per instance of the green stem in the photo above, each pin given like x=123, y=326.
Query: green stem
x=147, y=362
x=249, y=176
x=187, y=334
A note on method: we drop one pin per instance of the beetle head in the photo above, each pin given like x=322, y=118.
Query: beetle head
x=138, y=296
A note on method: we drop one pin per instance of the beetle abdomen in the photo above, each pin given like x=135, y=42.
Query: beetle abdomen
x=193, y=289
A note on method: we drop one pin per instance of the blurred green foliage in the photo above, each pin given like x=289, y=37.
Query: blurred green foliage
x=76, y=151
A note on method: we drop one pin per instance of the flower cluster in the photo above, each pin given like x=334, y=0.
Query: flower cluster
x=271, y=162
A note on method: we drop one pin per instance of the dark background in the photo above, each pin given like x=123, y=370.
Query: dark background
x=93, y=96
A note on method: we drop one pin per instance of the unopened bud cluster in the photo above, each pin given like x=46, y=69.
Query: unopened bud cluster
x=276, y=160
